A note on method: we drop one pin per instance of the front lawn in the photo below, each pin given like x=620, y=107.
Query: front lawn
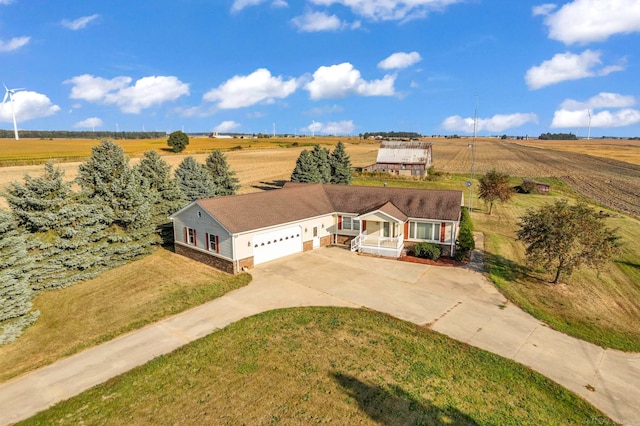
x=326, y=365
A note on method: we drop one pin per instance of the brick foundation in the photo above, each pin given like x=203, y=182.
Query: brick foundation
x=208, y=259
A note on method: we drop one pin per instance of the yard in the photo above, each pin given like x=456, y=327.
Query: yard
x=371, y=369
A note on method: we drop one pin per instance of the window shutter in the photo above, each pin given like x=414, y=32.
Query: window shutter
x=364, y=225
x=206, y=236
x=406, y=230
x=217, y=245
x=442, y=231
x=186, y=235
x=195, y=243
x=339, y=222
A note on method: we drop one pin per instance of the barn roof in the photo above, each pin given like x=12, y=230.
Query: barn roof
x=391, y=152
x=298, y=201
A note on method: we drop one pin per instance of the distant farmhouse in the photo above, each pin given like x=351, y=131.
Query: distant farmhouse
x=402, y=158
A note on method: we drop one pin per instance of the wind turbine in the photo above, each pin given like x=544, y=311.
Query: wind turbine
x=9, y=94
x=589, y=130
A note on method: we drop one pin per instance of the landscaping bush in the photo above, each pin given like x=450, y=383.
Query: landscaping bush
x=465, y=237
x=460, y=254
x=427, y=251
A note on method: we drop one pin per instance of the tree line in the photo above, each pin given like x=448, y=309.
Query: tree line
x=54, y=236
x=320, y=166
x=558, y=136
x=391, y=135
x=82, y=134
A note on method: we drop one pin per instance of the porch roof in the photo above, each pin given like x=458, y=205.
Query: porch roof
x=387, y=209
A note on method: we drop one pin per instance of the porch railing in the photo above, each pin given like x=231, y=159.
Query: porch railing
x=355, y=243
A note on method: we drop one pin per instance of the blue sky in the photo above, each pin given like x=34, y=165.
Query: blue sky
x=323, y=66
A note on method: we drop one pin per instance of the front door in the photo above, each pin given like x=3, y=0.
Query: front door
x=316, y=237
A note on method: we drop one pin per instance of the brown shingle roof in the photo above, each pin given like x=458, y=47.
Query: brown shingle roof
x=296, y=201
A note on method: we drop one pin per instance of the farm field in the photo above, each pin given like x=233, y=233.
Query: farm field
x=372, y=369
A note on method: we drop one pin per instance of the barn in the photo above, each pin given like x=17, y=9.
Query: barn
x=236, y=232
x=402, y=158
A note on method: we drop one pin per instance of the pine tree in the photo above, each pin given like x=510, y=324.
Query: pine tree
x=65, y=234
x=306, y=169
x=163, y=193
x=321, y=159
x=194, y=180
x=340, y=165
x=224, y=178
x=15, y=294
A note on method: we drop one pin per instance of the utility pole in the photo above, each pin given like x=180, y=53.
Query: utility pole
x=473, y=155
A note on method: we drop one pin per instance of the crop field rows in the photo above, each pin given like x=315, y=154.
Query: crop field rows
x=612, y=183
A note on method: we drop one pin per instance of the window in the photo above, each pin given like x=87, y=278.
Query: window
x=349, y=223
x=424, y=231
x=385, y=229
x=190, y=236
x=214, y=243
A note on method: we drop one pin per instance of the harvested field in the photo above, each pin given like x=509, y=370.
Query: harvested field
x=612, y=183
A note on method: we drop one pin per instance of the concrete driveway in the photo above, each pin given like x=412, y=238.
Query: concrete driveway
x=458, y=302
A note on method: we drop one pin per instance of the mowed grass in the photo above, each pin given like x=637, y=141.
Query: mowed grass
x=119, y=300
x=326, y=365
x=38, y=151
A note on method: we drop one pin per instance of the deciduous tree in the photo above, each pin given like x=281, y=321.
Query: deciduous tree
x=561, y=237
x=178, y=141
x=494, y=186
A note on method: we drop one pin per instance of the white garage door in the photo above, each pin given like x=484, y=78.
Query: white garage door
x=276, y=244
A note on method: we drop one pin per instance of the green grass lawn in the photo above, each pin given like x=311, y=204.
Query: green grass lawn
x=600, y=306
x=119, y=300
x=326, y=365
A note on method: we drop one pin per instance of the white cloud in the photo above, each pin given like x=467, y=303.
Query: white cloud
x=338, y=81
x=543, y=9
x=400, y=60
x=246, y=90
x=226, y=126
x=144, y=93
x=80, y=23
x=497, y=123
x=345, y=127
x=89, y=123
x=567, y=66
x=6, y=1
x=14, y=44
x=28, y=105
x=317, y=21
x=565, y=118
x=238, y=5
x=585, y=21
x=390, y=10
x=601, y=100
x=325, y=110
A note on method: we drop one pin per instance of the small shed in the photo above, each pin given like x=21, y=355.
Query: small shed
x=402, y=158
x=529, y=185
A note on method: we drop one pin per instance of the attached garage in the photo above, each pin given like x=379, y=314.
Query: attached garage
x=276, y=244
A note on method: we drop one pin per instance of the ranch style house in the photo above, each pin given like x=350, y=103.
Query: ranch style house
x=234, y=233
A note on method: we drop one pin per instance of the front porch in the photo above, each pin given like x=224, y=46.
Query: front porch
x=379, y=246
x=380, y=232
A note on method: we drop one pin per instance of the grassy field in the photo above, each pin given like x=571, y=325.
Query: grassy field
x=117, y=301
x=326, y=365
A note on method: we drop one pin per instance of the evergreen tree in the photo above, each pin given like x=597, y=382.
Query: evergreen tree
x=340, y=165
x=194, y=180
x=224, y=178
x=108, y=181
x=321, y=159
x=15, y=294
x=306, y=169
x=66, y=234
x=163, y=193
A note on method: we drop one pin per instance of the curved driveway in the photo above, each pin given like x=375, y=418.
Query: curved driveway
x=458, y=302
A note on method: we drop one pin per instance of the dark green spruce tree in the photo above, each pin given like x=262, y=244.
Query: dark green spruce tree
x=306, y=169
x=194, y=180
x=65, y=234
x=163, y=193
x=15, y=295
x=224, y=178
x=340, y=165
x=107, y=180
x=321, y=159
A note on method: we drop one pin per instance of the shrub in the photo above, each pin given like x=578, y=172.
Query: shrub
x=427, y=250
x=465, y=237
x=460, y=254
